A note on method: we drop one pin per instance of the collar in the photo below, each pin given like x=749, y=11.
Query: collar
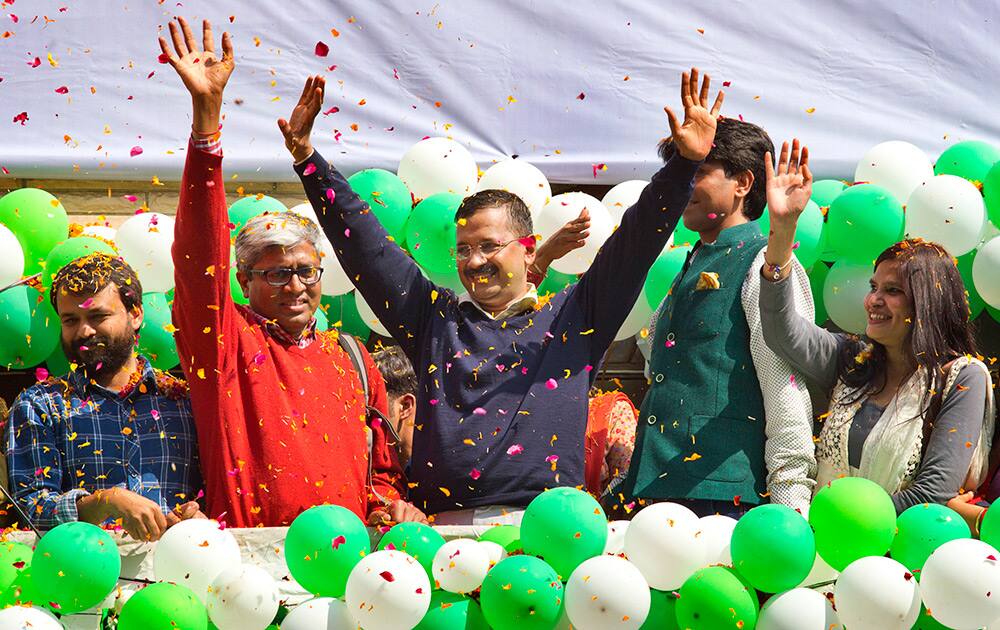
x=523, y=304
x=748, y=231
x=145, y=374
x=272, y=328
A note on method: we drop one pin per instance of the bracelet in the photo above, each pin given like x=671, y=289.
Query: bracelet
x=777, y=269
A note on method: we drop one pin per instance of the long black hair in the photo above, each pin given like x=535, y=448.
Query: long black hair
x=940, y=331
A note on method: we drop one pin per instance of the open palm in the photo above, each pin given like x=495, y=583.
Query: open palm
x=203, y=74
x=788, y=189
x=694, y=136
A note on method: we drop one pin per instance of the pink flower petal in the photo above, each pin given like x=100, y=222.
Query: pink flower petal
x=322, y=50
x=551, y=384
x=330, y=195
x=479, y=411
x=475, y=473
x=62, y=90
x=309, y=169
x=338, y=541
x=385, y=575
x=135, y=151
x=41, y=374
x=517, y=449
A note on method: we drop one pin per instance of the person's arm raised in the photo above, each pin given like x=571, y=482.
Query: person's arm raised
x=203, y=308
x=392, y=284
x=614, y=281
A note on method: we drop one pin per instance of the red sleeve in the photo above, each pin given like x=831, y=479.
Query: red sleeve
x=388, y=480
x=204, y=313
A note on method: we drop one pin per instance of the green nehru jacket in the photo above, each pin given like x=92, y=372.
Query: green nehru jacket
x=701, y=429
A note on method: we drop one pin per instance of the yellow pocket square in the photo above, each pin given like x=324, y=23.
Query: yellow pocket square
x=708, y=281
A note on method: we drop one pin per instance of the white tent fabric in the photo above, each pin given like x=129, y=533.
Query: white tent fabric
x=568, y=86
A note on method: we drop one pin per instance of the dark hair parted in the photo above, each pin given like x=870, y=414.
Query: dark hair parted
x=518, y=215
x=397, y=372
x=940, y=331
x=739, y=146
x=90, y=274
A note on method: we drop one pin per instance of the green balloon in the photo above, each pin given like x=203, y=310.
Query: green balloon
x=23, y=591
x=248, y=207
x=926, y=622
x=991, y=193
x=15, y=558
x=322, y=323
x=555, y=282
x=662, y=611
x=715, y=599
x=451, y=611
x=322, y=546
x=235, y=290
x=564, y=526
x=507, y=536
x=521, y=593
x=156, y=341
x=431, y=230
x=976, y=302
x=852, y=518
x=448, y=280
x=807, y=233
x=923, y=528
x=684, y=236
x=417, y=540
x=817, y=278
x=75, y=565
x=163, y=606
x=69, y=250
x=971, y=159
x=994, y=312
x=387, y=196
x=38, y=221
x=342, y=313
x=662, y=274
x=57, y=363
x=989, y=528
x=29, y=327
x=863, y=221
x=826, y=190
x=773, y=548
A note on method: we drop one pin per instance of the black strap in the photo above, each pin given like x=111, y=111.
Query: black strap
x=350, y=346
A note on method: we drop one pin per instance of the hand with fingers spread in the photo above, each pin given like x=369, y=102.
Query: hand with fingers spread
x=298, y=128
x=788, y=192
x=571, y=236
x=694, y=136
x=203, y=73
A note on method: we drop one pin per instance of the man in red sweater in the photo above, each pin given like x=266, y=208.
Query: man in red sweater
x=279, y=408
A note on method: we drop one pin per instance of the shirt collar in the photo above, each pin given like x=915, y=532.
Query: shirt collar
x=523, y=304
x=272, y=328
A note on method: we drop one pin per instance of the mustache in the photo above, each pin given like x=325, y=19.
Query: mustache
x=485, y=270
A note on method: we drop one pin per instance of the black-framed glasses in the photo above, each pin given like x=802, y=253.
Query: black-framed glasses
x=280, y=276
x=488, y=249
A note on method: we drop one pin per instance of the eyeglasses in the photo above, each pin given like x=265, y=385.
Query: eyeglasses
x=280, y=276
x=488, y=249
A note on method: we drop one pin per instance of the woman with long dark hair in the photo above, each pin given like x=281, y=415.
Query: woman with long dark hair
x=911, y=405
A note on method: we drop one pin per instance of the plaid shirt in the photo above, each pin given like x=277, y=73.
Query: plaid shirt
x=68, y=437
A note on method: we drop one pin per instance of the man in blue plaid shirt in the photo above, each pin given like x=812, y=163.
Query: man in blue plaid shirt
x=112, y=441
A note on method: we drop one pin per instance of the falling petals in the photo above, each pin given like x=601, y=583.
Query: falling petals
x=309, y=169
x=41, y=374
x=475, y=473
x=517, y=449
x=551, y=384
x=338, y=541
x=135, y=151
x=322, y=50
x=330, y=195
x=62, y=89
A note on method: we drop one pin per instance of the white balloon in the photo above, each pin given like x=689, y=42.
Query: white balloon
x=607, y=592
x=368, y=315
x=716, y=532
x=144, y=241
x=438, y=165
x=637, y=319
x=622, y=197
x=192, y=553
x=26, y=617
x=820, y=572
x=984, y=272
x=960, y=583
x=521, y=178
x=335, y=280
x=844, y=295
x=662, y=541
x=898, y=166
x=101, y=231
x=460, y=565
x=495, y=552
x=305, y=210
x=321, y=613
x=12, y=260
x=562, y=209
x=877, y=593
x=388, y=590
x=242, y=598
x=616, y=537
x=948, y=210
x=798, y=609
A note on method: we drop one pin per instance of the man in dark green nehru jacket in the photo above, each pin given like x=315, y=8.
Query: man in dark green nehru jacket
x=725, y=425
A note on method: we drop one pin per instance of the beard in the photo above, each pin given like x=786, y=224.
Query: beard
x=101, y=355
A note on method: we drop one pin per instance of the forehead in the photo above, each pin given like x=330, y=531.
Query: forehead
x=887, y=273
x=492, y=222
x=107, y=299
x=303, y=253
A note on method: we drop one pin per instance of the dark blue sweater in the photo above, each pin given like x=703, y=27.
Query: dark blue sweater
x=501, y=405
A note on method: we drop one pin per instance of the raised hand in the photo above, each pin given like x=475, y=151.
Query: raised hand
x=571, y=236
x=298, y=128
x=693, y=138
x=788, y=189
x=203, y=73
